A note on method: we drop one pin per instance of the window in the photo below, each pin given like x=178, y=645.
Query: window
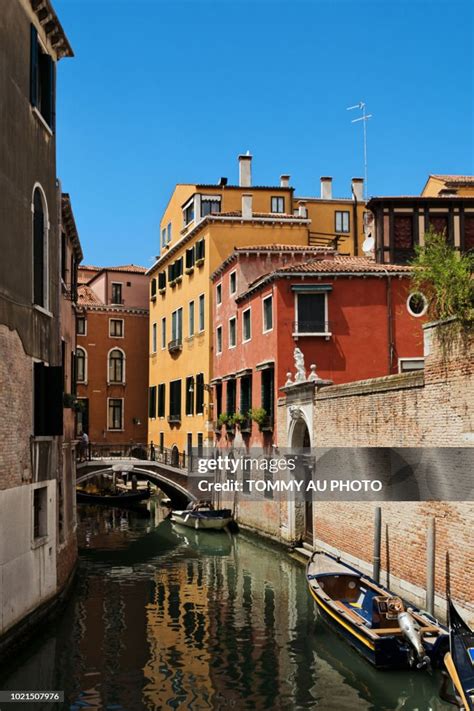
x=40, y=512
x=81, y=365
x=116, y=366
x=190, y=258
x=311, y=310
x=188, y=213
x=116, y=293
x=162, y=280
x=201, y=313
x=417, y=304
x=278, y=204
x=267, y=305
x=191, y=319
x=40, y=250
x=163, y=237
x=168, y=233
x=342, y=221
x=163, y=332
x=189, y=444
x=232, y=283
x=230, y=396
x=153, y=289
x=115, y=417
x=403, y=238
x=152, y=402
x=218, y=399
x=190, y=395
x=219, y=294
x=175, y=400
x=153, y=338
x=81, y=326
x=245, y=394
x=177, y=325
x=200, y=443
x=42, y=80
x=116, y=327
x=268, y=381
x=161, y=400
x=232, y=332
x=162, y=442
x=47, y=400
x=246, y=325
x=200, y=250
x=408, y=365
x=199, y=393
x=210, y=206
x=219, y=339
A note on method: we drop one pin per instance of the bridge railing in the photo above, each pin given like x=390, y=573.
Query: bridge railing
x=134, y=450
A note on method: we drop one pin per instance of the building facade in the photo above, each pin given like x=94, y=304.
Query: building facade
x=351, y=318
x=37, y=458
x=112, y=355
x=200, y=228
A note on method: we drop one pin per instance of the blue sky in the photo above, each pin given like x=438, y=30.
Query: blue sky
x=166, y=91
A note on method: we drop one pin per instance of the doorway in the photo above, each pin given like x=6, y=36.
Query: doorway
x=301, y=441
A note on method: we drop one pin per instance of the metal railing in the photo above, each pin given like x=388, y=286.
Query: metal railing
x=175, y=345
x=133, y=450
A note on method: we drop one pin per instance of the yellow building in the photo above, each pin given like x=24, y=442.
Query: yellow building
x=446, y=185
x=200, y=228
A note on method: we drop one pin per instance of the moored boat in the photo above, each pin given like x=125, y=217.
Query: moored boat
x=459, y=661
x=126, y=498
x=373, y=620
x=202, y=516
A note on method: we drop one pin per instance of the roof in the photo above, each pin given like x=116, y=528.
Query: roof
x=336, y=266
x=130, y=268
x=458, y=179
x=245, y=188
x=55, y=34
x=86, y=296
x=272, y=248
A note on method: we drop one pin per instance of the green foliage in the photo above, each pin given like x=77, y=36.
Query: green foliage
x=444, y=277
x=258, y=415
x=237, y=419
x=223, y=419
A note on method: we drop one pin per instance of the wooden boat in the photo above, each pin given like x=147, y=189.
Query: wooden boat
x=373, y=620
x=459, y=661
x=202, y=516
x=127, y=498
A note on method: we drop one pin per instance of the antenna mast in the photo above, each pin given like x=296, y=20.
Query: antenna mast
x=364, y=118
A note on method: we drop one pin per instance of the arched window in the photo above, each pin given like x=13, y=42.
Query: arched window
x=116, y=366
x=81, y=365
x=40, y=249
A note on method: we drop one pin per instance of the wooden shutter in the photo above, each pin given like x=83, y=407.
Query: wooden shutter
x=152, y=401
x=34, y=66
x=54, y=405
x=39, y=394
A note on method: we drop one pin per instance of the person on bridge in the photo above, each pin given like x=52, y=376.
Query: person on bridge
x=152, y=451
x=84, y=447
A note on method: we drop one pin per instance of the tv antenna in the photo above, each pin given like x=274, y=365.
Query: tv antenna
x=364, y=118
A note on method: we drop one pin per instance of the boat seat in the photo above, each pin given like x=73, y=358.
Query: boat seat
x=363, y=606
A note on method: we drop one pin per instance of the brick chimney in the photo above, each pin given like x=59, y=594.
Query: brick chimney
x=326, y=188
x=284, y=181
x=301, y=208
x=245, y=170
x=247, y=206
x=358, y=189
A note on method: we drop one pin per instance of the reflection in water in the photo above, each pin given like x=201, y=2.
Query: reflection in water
x=166, y=617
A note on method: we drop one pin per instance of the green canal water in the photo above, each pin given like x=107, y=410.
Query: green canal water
x=163, y=617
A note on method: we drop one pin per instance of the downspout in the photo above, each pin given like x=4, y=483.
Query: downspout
x=354, y=220
x=391, y=347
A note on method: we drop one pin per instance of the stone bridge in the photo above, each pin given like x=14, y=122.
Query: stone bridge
x=173, y=481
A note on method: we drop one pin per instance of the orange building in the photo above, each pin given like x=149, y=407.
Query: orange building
x=112, y=354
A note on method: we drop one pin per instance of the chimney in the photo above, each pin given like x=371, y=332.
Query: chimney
x=302, y=208
x=247, y=206
x=245, y=170
x=326, y=188
x=284, y=181
x=358, y=189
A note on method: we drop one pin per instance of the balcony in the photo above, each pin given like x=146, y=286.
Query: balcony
x=301, y=329
x=174, y=419
x=175, y=345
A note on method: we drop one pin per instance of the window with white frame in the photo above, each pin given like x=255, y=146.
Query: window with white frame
x=81, y=365
x=117, y=293
x=408, y=365
x=115, y=414
x=163, y=332
x=191, y=319
x=188, y=213
x=232, y=332
x=219, y=294
x=81, y=326
x=201, y=313
x=153, y=338
x=278, y=204
x=116, y=329
x=40, y=249
x=232, y=283
x=168, y=233
x=116, y=366
x=246, y=325
x=267, y=306
x=342, y=221
x=163, y=237
x=177, y=325
x=219, y=339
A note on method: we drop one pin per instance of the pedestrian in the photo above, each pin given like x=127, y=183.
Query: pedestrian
x=152, y=451
x=84, y=452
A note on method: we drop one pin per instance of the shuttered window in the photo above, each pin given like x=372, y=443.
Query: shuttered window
x=268, y=379
x=190, y=395
x=190, y=258
x=161, y=400
x=199, y=393
x=311, y=313
x=245, y=394
x=175, y=399
x=200, y=249
x=152, y=401
x=48, y=400
x=42, y=80
x=39, y=251
x=230, y=397
x=162, y=280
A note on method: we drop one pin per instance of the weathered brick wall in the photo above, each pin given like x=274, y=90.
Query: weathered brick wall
x=16, y=382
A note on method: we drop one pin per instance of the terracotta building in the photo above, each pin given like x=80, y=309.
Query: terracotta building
x=112, y=354
x=352, y=319
x=39, y=244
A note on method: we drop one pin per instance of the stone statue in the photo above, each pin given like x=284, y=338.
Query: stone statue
x=289, y=380
x=300, y=376
x=313, y=375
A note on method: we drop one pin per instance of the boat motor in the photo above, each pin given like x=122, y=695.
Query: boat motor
x=410, y=632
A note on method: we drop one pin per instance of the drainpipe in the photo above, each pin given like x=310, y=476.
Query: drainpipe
x=389, y=321
x=354, y=220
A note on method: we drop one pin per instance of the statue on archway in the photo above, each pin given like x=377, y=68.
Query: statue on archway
x=300, y=376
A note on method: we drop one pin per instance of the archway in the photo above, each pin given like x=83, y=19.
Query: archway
x=174, y=456
x=300, y=440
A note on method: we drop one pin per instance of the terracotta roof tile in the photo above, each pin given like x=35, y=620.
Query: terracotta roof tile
x=283, y=248
x=132, y=268
x=87, y=297
x=455, y=178
x=338, y=264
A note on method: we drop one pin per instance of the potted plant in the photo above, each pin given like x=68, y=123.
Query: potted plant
x=260, y=416
x=222, y=420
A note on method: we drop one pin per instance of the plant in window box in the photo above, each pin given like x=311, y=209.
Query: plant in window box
x=178, y=279
x=259, y=415
x=238, y=419
x=172, y=282
x=162, y=291
x=189, y=270
x=222, y=420
x=199, y=262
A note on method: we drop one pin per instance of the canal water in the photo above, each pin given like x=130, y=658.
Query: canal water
x=164, y=617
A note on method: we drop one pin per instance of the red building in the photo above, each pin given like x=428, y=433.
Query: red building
x=112, y=354
x=352, y=318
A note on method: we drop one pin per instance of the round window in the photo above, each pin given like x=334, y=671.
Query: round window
x=417, y=304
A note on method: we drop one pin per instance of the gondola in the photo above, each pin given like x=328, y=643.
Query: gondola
x=374, y=621
x=202, y=516
x=127, y=498
x=459, y=661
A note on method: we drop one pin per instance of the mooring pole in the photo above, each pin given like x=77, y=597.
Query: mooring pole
x=377, y=543
x=430, y=565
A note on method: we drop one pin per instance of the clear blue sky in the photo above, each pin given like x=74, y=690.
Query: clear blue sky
x=166, y=91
